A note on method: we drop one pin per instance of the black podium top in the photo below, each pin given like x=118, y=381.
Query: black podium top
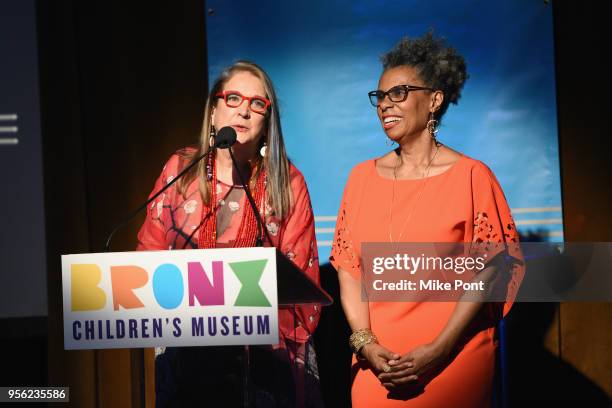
x=294, y=287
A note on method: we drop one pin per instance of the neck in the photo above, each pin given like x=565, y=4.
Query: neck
x=226, y=172
x=417, y=152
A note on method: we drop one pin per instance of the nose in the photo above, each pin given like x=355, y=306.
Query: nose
x=385, y=103
x=244, y=109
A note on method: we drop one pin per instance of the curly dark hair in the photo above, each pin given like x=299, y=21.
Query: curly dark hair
x=439, y=65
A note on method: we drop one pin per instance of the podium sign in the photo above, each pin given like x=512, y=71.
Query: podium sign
x=204, y=297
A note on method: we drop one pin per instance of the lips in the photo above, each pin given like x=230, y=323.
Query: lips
x=240, y=128
x=390, y=121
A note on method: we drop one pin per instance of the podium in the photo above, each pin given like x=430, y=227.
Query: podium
x=295, y=288
x=96, y=291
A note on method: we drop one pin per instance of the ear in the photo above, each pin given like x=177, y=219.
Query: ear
x=436, y=100
x=212, y=115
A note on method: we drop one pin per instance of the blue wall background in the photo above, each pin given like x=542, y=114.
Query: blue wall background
x=323, y=57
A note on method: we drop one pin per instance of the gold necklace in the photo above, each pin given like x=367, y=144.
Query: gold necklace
x=424, y=178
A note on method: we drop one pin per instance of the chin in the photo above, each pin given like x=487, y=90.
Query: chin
x=245, y=139
x=393, y=137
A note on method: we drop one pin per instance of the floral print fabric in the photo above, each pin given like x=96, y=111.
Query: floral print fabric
x=173, y=220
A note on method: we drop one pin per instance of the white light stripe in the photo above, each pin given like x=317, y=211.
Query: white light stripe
x=324, y=230
x=555, y=233
x=8, y=116
x=540, y=222
x=8, y=141
x=8, y=129
x=324, y=243
x=534, y=210
x=325, y=218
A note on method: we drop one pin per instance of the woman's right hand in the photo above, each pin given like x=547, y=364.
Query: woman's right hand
x=378, y=357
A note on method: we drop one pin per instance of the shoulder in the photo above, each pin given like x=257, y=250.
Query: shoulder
x=477, y=168
x=297, y=184
x=300, y=197
x=296, y=178
x=481, y=176
x=177, y=161
x=358, y=177
x=361, y=170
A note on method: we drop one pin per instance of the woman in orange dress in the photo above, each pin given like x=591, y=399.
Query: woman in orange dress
x=420, y=354
x=208, y=208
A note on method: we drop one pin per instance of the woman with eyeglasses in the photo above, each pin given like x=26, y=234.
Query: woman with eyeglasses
x=207, y=208
x=422, y=354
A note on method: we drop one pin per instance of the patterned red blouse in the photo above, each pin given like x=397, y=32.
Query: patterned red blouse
x=172, y=223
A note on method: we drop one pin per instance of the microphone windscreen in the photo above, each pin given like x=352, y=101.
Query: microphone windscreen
x=225, y=138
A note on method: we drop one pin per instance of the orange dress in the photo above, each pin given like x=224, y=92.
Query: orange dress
x=463, y=204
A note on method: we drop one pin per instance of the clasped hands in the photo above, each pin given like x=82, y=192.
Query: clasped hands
x=416, y=368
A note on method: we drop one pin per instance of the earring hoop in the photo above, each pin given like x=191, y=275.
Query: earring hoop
x=432, y=126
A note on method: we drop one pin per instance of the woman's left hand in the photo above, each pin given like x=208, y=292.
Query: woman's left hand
x=417, y=367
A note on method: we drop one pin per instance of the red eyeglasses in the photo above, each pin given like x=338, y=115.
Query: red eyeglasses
x=234, y=99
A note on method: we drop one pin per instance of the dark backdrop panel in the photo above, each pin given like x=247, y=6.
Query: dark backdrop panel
x=122, y=88
x=22, y=234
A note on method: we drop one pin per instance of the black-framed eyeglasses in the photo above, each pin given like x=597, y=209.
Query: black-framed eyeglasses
x=398, y=93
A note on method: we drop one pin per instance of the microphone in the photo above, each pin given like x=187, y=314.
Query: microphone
x=226, y=137
x=247, y=191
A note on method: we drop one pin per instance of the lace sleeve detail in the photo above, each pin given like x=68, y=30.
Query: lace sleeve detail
x=485, y=231
x=494, y=231
x=343, y=254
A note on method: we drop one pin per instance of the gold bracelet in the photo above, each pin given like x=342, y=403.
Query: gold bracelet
x=360, y=338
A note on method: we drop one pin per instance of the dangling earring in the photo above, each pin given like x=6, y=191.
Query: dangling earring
x=262, y=151
x=209, y=167
x=432, y=127
x=211, y=138
x=389, y=142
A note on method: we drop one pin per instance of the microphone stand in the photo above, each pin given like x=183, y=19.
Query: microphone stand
x=146, y=203
x=225, y=139
x=246, y=363
x=260, y=224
